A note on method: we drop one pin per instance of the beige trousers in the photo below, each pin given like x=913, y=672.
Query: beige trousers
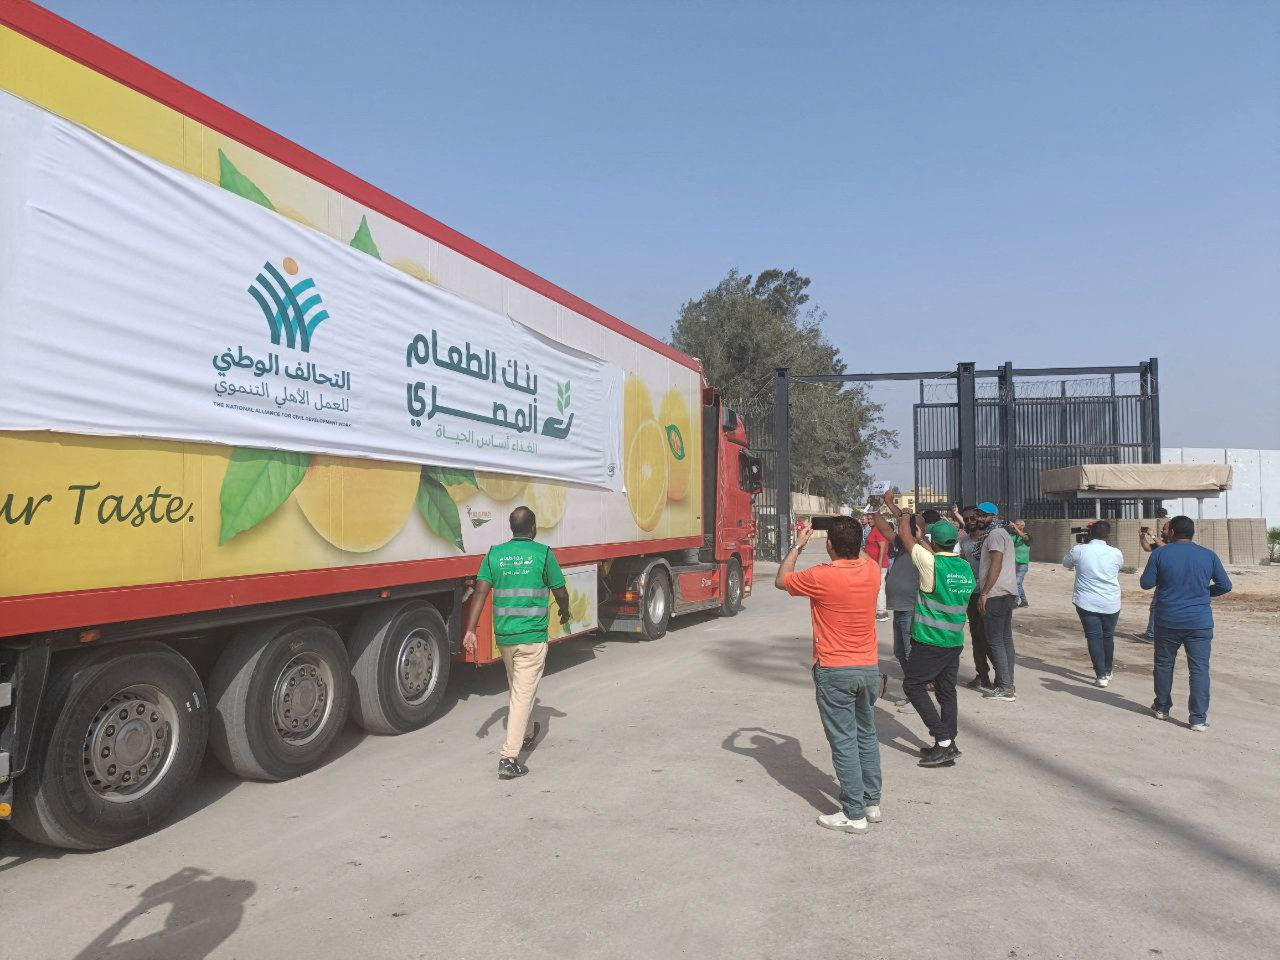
x=524, y=663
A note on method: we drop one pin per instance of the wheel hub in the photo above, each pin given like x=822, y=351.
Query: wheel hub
x=415, y=667
x=657, y=604
x=302, y=698
x=128, y=743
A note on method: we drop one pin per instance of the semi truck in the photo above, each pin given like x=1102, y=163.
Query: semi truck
x=259, y=422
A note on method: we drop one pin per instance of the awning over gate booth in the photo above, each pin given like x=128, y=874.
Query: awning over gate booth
x=1156, y=481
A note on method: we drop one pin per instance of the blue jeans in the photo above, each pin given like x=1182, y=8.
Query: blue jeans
x=1100, y=634
x=1198, y=644
x=902, y=620
x=1151, y=620
x=846, y=703
x=1021, y=570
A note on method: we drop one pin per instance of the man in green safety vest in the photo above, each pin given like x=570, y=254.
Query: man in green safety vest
x=937, y=633
x=523, y=575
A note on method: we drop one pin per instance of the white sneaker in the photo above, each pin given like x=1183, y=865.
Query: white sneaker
x=1102, y=681
x=1197, y=727
x=838, y=821
x=873, y=815
x=1159, y=714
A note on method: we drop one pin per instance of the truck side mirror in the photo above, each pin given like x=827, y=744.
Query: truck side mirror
x=730, y=421
x=750, y=473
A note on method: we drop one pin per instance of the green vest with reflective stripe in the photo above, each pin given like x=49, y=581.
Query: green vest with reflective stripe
x=518, y=571
x=939, y=616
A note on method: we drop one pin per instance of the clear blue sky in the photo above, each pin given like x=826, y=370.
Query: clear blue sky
x=1048, y=183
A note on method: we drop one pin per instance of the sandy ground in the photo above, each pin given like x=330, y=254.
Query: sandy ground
x=670, y=813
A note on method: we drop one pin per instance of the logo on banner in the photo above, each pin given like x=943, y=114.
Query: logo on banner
x=675, y=441
x=272, y=385
x=293, y=309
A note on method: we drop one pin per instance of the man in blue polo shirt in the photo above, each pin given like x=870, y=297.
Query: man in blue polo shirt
x=1185, y=576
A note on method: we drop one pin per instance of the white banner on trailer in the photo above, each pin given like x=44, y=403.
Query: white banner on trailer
x=137, y=300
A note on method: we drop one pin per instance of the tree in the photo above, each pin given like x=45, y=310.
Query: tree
x=742, y=329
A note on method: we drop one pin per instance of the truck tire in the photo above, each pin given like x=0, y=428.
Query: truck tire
x=125, y=732
x=733, y=584
x=280, y=694
x=400, y=666
x=655, y=610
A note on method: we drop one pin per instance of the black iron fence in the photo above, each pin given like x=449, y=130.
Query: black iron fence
x=1025, y=428
x=758, y=416
x=988, y=434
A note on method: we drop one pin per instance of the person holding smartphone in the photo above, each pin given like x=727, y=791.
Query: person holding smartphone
x=937, y=630
x=877, y=548
x=846, y=664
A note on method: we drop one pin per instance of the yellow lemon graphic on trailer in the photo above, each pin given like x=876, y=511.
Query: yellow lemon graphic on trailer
x=357, y=505
x=637, y=407
x=674, y=420
x=646, y=475
x=547, y=501
x=501, y=487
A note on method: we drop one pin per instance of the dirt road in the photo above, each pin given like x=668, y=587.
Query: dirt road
x=670, y=813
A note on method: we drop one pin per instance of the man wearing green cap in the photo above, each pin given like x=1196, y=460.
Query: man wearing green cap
x=937, y=633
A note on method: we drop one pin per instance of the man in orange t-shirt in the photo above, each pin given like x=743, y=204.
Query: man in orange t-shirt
x=846, y=672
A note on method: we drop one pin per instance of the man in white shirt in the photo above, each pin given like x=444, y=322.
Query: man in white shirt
x=1097, y=595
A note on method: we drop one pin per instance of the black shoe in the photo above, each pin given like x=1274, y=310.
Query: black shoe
x=531, y=738
x=980, y=683
x=954, y=749
x=509, y=769
x=940, y=756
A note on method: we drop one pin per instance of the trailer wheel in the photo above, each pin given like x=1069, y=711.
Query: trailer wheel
x=400, y=666
x=732, y=588
x=655, y=611
x=126, y=731
x=280, y=694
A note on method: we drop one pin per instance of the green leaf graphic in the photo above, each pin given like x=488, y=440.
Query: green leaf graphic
x=229, y=178
x=563, y=399
x=363, y=240
x=439, y=510
x=257, y=482
x=451, y=477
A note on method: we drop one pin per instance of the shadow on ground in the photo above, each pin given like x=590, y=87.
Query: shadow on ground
x=542, y=716
x=202, y=912
x=782, y=759
x=211, y=785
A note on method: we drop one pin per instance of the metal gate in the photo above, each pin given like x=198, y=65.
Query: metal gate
x=1022, y=427
x=758, y=417
x=987, y=435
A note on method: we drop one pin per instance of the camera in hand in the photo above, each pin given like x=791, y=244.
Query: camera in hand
x=822, y=523
x=1081, y=534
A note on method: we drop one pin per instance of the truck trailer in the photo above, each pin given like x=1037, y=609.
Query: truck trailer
x=259, y=422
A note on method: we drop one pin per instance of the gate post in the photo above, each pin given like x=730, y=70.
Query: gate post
x=967, y=433
x=782, y=461
x=1153, y=378
x=1008, y=440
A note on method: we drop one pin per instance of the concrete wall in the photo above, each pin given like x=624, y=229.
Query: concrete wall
x=1239, y=541
x=1255, y=483
x=808, y=505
